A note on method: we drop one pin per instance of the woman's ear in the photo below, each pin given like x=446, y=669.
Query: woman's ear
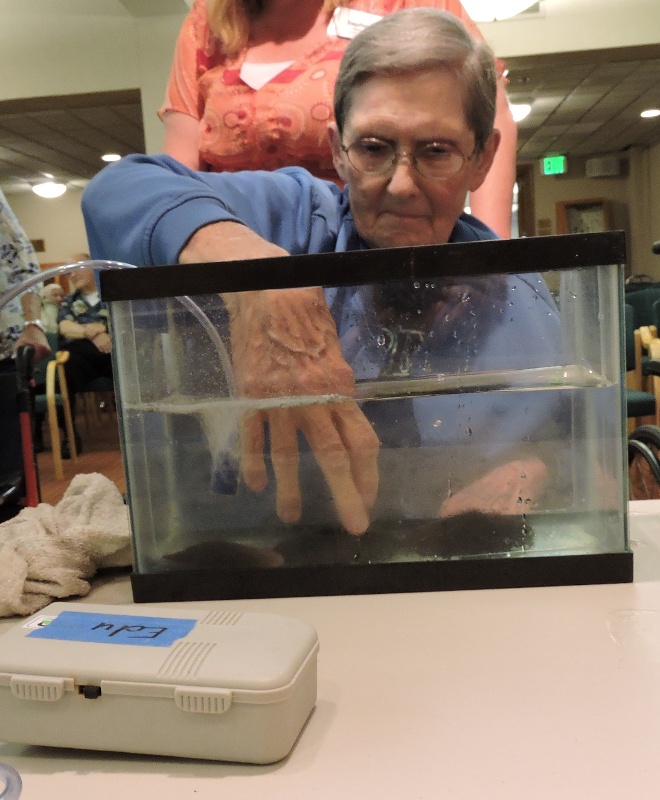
x=338, y=155
x=485, y=161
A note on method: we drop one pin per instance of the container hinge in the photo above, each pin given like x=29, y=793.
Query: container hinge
x=38, y=687
x=201, y=700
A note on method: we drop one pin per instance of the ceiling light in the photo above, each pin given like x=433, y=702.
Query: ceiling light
x=520, y=110
x=111, y=157
x=649, y=113
x=49, y=189
x=489, y=10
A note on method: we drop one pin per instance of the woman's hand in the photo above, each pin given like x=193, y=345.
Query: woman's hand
x=102, y=342
x=34, y=336
x=92, y=329
x=511, y=489
x=284, y=345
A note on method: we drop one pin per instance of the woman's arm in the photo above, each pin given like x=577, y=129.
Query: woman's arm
x=180, y=111
x=32, y=334
x=284, y=343
x=492, y=202
x=182, y=138
x=71, y=329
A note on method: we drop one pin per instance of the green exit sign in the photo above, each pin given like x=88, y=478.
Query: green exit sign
x=554, y=165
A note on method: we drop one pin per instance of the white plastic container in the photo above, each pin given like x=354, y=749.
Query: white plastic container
x=221, y=685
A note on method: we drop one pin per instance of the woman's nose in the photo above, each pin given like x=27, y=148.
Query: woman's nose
x=403, y=179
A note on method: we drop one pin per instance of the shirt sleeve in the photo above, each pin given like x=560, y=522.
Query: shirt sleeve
x=287, y=207
x=65, y=311
x=16, y=251
x=190, y=54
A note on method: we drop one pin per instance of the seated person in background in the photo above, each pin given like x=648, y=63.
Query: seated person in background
x=83, y=327
x=414, y=132
x=53, y=294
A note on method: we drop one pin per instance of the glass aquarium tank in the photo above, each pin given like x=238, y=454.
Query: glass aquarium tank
x=464, y=425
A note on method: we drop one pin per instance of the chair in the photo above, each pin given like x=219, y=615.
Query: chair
x=644, y=463
x=640, y=404
x=642, y=301
x=91, y=402
x=89, y=394
x=655, y=316
x=50, y=373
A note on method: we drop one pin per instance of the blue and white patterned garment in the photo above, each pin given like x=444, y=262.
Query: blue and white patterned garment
x=17, y=262
x=77, y=307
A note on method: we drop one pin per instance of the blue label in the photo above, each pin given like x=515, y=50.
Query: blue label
x=79, y=626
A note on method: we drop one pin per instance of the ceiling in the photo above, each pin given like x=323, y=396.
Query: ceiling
x=65, y=137
x=586, y=104
x=583, y=104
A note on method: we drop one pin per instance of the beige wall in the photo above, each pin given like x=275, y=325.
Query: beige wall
x=157, y=37
x=58, y=222
x=51, y=48
x=568, y=25
x=634, y=198
x=59, y=47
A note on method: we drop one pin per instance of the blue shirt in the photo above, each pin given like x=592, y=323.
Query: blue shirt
x=77, y=308
x=509, y=323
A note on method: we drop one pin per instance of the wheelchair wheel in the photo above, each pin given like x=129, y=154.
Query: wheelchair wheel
x=644, y=463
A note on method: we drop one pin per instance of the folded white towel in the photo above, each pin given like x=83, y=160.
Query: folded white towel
x=51, y=552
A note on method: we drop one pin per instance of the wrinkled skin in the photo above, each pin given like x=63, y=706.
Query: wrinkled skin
x=284, y=344
x=510, y=489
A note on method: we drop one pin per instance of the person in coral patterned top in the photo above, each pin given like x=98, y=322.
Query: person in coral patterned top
x=252, y=85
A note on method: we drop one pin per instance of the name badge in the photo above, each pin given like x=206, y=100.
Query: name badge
x=346, y=23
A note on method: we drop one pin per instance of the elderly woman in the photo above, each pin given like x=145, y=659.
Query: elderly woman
x=53, y=294
x=414, y=108
x=252, y=83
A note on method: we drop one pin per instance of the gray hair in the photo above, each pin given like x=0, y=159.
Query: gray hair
x=420, y=39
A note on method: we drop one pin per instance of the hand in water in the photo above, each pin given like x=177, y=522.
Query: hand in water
x=510, y=489
x=285, y=345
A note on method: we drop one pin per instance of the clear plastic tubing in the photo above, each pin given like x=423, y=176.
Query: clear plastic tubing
x=11, y=784
x=98, y=264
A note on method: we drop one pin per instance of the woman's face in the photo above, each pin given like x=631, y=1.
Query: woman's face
x=53, y=293
x=83, y=280
x=402, y=207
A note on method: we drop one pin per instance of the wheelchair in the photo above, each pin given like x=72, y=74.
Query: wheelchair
x=644, y=463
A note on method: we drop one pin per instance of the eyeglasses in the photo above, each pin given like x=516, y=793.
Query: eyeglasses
x=435, y=160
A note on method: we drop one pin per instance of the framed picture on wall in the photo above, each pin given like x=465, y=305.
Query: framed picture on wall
x=584, y=216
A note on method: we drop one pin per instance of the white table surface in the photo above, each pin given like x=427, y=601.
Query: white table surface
x=518, y=694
